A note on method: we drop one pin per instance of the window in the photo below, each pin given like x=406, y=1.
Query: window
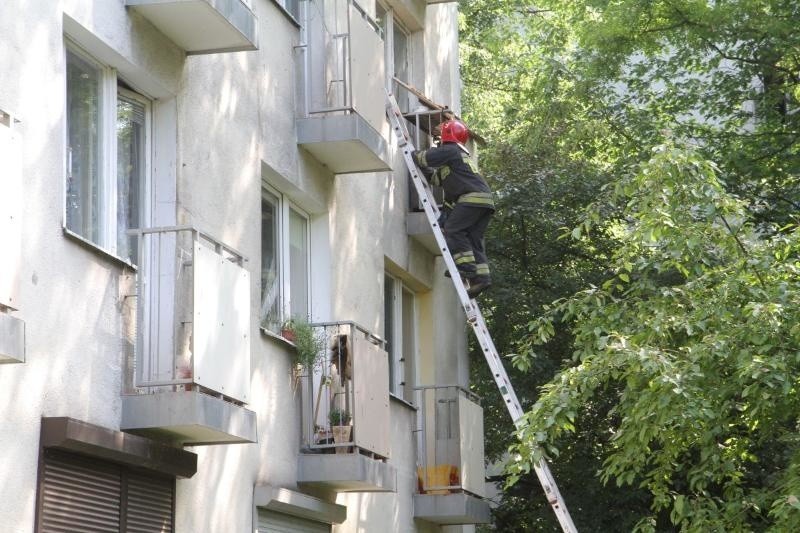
x=401, y=336
x=396, y=41
x=107, y=163
x=285, y=267
x=82, y=494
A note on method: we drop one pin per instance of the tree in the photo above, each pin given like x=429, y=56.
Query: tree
x=586, y=90
x=699, y=335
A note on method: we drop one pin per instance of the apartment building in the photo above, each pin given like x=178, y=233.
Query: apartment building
x=178, y=180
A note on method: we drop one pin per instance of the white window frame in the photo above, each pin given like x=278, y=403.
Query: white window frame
x=403, y=351
x=107, y=145
x=389, y=24
x=284, y=207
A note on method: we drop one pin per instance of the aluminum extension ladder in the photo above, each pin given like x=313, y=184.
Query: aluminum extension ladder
x=473, y=312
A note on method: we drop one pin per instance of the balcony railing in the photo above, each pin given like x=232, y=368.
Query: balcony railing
x=341, y=109
x=450, y=468
x=450, y=441
x=193, y=315
x=346, y=407
x=189, y=374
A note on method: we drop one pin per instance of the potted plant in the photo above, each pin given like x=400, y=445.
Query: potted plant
x=340, y=427
x=309, y=345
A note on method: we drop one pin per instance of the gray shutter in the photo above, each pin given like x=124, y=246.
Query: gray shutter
x=85, y=495
x=79, y=496
x=150, y=504
x=271, y=522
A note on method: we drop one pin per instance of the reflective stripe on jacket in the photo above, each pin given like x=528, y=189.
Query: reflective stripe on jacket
x=457, y=174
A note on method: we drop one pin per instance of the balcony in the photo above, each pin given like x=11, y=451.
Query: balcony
x=341, y=93
x=346, y=413
x=450, y=473
x=190, y=375
x=12, y=329
x=202, y=26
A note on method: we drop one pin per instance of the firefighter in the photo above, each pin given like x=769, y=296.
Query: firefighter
x=468, y=204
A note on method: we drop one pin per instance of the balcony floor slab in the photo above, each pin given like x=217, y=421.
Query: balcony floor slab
x=202, y=26
x=451, y=509
x=346, y=473
x=344, y=143
x=188, y=417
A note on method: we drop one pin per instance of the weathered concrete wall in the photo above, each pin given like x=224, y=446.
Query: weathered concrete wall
x=229, y=123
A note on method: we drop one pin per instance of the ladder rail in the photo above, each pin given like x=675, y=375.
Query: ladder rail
x=473, y=312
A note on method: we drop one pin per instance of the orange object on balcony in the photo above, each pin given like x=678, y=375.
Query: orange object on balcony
x=437, y=479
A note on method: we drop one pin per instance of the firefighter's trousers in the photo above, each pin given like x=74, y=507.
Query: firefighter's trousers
x=464, y=228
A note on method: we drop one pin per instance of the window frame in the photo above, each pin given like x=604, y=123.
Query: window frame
x=285, y=206
x=111, y=85
x=389, y=24
x=403, y=351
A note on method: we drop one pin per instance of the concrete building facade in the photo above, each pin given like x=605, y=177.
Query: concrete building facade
x=179, y=181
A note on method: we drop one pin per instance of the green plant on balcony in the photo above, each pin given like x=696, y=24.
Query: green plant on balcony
x=309, y=344
x=341, y=428
x=339, y=417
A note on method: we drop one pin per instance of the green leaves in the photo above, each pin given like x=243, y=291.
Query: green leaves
x=702, y=349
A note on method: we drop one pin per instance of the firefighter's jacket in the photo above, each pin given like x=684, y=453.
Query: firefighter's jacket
x=457, y=174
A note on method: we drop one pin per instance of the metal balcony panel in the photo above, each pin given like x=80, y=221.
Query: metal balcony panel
x=202, y=26
x=193, y=316
x=12, y=339
x=351, y=375
x=344, y=143
x=11, y=202
x=346, y=473
x=470, y=425
x=188, y=417
x=451, y=509
x=221, y=324
x=419, y=229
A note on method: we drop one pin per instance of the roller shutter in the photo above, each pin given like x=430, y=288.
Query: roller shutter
x=83, y=495
x=272, y=522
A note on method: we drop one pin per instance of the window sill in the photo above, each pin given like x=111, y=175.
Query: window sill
x=98, y=249
x=403, y=402
x=277, y=338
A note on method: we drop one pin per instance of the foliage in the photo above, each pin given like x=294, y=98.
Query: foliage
x=309, y=344
x=573, y=96
x=698, y=332
x=339, y=417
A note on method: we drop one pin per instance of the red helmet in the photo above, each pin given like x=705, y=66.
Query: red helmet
x=454, y=131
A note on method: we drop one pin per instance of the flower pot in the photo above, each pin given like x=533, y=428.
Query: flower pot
x=288, y=334
x=341, y=435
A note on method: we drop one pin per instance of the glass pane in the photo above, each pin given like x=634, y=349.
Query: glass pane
x=130, y=173
x=84, y=189
x=298, y=264
x=388, y=326
x=400, y=53
x=270, y=273
x=400, y=65
x=409, y=337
